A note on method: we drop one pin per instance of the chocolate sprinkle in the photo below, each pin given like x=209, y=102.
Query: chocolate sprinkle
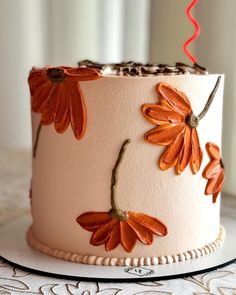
x=138, y=69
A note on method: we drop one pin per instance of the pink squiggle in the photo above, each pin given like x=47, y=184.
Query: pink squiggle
x=196, y=33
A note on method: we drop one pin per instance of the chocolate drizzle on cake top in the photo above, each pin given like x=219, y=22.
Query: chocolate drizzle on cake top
x=139, y=69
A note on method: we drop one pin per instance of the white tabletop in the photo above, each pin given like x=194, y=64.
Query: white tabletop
x=14, y=203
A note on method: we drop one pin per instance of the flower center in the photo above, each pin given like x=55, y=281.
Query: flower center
x=192, y=120
x=56, y=74
x=118, y=214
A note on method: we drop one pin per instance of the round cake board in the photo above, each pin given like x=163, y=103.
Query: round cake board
x=14, y=249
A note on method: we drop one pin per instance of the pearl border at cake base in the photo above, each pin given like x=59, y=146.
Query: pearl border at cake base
x=13, y=248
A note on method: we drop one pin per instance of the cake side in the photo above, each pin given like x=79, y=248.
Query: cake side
x=73, y=177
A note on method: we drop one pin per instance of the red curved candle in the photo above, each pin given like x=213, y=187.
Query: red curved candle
x=196, y=33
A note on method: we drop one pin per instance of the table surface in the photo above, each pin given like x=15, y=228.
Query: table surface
x=14, y=203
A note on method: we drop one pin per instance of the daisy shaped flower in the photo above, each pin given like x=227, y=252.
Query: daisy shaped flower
x=214, y=171
x=57, y=96
x=118, y=227
x=176, y=128
x=125, y=229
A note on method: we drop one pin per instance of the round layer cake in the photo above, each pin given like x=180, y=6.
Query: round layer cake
x=126, y=163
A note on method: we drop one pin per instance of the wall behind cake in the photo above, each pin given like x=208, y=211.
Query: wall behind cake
x=58, y=32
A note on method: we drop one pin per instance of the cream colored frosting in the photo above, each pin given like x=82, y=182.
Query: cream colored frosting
x=71, y=177
x=113, y=261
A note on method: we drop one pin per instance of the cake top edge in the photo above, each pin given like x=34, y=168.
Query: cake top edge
x=88, y=69
x=133, y=69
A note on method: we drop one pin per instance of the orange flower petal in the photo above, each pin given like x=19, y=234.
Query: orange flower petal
x=65, y=120
x=114, y=238
x=143, y=234
x=77, y=109
x=93, y=220
x=49, y=107
x=152, y=223
x=159, y=115
x=186, y=152
x=36, y=80
x=82, y=74
x=215, y=195
x=127, y=236
x=41, y=95
x=47, y=116
x=171, y=153
x=62, y=111
x=212, y=169
x=215, y=184
x=62, y=103
x=101, y=234
x=213, y=151
x=210, y=185
x=196, y=159
x=175, y=99
x=164, y=134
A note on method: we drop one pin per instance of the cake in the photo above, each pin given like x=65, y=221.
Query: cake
x=126, y=163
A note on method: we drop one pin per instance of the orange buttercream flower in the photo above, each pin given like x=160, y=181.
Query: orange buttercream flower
x=176, y=128
x=172, y=116
x=214, y=171
x=57, y=95
x=112, y=231
x=118, y=227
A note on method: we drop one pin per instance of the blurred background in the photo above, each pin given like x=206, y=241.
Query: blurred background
x=62, y=32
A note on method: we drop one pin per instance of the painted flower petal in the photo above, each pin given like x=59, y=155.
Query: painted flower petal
x=173, y=98
x=101, y=234
x=82, y=74
x=62, y=111
x=93, y=220
x=143, y=234
x=171, y=153
x=41, y=95
x=114, y=238
x=152, y=223
x=49, y=107
x=196, y=159
x=220, y=181
x=213, y=151
x=159, y=114
x=215, y=184
x=215, y=195
x=164, y=134
x=212, y=169
x=65, y=121
x=127, y=236
x=62, y=104
x=77, y=109
x=36, y=80
x=186, y=152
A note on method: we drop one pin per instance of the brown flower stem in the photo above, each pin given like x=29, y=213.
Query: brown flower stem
x=37, y=139
x=210, y=99
x=115, y=211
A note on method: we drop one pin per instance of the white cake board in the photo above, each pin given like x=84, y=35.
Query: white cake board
x=14, y=249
